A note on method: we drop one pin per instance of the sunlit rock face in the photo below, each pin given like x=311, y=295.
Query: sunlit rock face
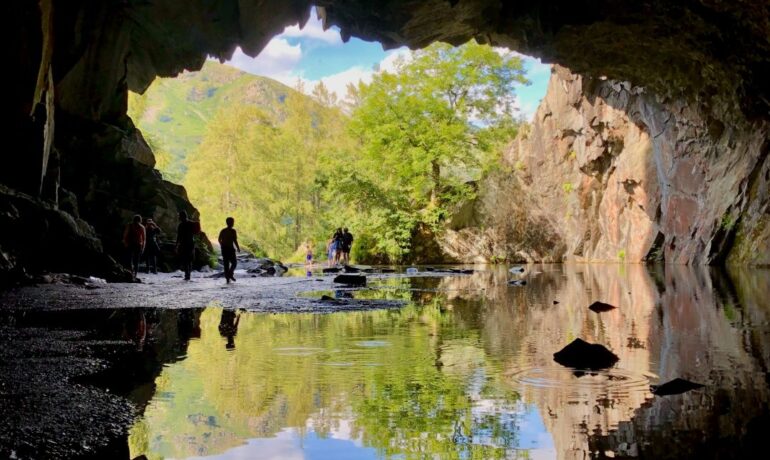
x=703, y=67
x=619, y=174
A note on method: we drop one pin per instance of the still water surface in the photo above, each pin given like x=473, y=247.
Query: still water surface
x=465, y=370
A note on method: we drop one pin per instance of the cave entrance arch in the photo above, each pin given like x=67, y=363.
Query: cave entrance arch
x=702, y=67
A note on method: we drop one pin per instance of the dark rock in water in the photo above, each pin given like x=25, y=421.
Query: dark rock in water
x=349, y=269
x=516, y=270
x=461, y=271
x=583, y=355
x=674, y=387
x=429, y=269
x=601, y=307
x=331, y=270
x=217, y=275
x=555, y=302
x=354, y=280
x=517, y=282
x=327, y=298
x=387, y=270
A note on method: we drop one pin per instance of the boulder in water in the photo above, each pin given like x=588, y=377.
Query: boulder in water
x=674, y=387
x=583, y=355
x=601, y=307
x=517, y=282
x=353, y=280
x=331, y=270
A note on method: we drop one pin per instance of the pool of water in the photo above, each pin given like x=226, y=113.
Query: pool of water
x=465, y=370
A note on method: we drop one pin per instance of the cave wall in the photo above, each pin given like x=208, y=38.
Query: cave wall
x=622, y=175
x=706, y=62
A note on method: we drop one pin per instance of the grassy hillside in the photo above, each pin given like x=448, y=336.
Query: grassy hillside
x=174, y=112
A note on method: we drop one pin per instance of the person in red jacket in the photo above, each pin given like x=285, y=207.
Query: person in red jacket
x=134, y=238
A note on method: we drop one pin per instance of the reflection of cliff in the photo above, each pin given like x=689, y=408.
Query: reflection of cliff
x=527, y=320
x=708, y=331
x=672, y=322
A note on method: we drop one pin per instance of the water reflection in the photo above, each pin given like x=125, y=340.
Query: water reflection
x=465, y=370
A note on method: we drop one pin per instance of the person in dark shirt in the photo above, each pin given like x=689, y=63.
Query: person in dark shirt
x=152, y=246
x=228, y=240
x=347, y=244
x=228, y=327
x=185, y=243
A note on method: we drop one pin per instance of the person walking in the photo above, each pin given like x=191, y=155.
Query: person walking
x=134, y=237
x=185, y=243
x=330, y=250
x=152, y=247
x=228, y=241
x=347, y=244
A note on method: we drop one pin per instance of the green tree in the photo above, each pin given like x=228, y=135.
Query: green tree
x=425, y=131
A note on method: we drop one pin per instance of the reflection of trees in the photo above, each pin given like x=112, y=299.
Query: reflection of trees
x=307, y=371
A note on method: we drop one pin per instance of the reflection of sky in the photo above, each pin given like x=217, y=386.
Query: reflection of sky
x=534, y=436
x=288, y=444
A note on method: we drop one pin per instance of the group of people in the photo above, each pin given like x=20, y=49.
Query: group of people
x=142, y=239
x=338, y=247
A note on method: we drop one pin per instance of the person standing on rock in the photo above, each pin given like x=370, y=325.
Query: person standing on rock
x=134, y=238
x=347, y=244
x=152, y=247
x=228, y=241
x=185, y=243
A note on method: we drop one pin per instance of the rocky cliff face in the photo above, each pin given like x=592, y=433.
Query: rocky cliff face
x=613, y=173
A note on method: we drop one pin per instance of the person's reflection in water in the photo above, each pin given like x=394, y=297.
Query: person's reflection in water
x=135, y=328
x=228, y=327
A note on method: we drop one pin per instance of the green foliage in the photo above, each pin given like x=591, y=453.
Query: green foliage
x=622, y=255
x=292, y=168
x=425, y=131
x=216, y=399
x=176, y=112
x=727, y=223
x=567, y=187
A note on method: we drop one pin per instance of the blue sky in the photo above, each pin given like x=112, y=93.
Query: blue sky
x=312, y=54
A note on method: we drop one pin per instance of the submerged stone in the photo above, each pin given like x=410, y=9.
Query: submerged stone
x=354, y=280
x=583, y=355
x=601, y=307
x=674, y=387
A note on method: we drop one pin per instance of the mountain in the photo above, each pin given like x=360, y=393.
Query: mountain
x=174, y=112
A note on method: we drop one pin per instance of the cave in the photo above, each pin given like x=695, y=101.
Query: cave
x=691, y=75
x=651, y=146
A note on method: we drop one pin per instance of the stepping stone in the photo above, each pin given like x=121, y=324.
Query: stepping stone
x=601, y=307
x=583, y=355
x=674, y=387
x=353, y=280
x=331, y=270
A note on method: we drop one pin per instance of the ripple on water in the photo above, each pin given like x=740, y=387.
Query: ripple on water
x=298, y=351
x=574, y=379
x=372, y=343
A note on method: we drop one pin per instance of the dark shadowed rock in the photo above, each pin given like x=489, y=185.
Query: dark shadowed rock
x=331, y=270
x=350, y=269
x=353, y=280
x=517, y=283
x=555, y=302
x=601, y=307
x=583, y=355
x=327, y=298
x=674, y=387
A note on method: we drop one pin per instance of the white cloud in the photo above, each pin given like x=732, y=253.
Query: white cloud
x=278, y=60
x=338, y=83
x=314, y=31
